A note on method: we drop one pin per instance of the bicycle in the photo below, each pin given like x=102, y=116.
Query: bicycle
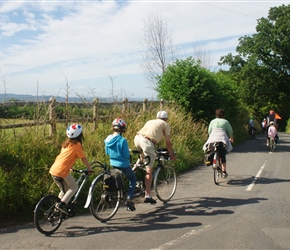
x=214, y=160
x=252, y=133
x=104, y=203
x=164, y=175
x=47, y=218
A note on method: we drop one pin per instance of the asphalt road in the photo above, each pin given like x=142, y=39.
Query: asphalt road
x=248, y=210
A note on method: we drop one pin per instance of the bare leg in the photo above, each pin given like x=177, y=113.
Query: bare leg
x=224, y=167
x=148, y=180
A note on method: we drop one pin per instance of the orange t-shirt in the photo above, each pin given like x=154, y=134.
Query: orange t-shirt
x=66, y=159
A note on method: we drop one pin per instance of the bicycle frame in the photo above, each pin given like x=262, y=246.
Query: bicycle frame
x=82, y=179
x=105, y=170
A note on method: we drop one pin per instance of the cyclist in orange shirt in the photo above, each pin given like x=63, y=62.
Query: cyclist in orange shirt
x=70, y=151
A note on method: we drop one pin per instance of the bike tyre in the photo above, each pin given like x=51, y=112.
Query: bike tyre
x=165, y=182
x=104, y=204
x=47, y=219
x=216, y=175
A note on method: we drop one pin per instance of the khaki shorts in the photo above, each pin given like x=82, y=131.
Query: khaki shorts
x=147, y=147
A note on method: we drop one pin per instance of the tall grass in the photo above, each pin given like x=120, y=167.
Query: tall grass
x=25, y=161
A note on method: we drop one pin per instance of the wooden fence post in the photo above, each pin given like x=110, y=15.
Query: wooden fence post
x=95, y=113
x=161, y=104
x=145, y=101
x=52, y=116
x=125, y=105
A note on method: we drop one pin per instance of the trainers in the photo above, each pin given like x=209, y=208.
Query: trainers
x=149, y=200
x=61, y=206
x=130, y=205
x=224, y=174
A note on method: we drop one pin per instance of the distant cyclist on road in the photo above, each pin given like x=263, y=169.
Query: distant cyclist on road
x=264, y=125
x=251, y=126
x=272, y=132
x=220, y=130
x=270, y=118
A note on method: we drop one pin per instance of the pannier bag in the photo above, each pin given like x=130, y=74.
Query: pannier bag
x=113, y=180
x=208, y=158
x=209, y=152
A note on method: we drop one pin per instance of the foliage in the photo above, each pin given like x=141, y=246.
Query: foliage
x=262, y=67
x=26, y=111
x=288, y=126
x=189, y=85
x=198, y=90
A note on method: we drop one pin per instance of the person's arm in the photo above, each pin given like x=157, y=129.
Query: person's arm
x=230, y=132
x=86, y=162
x=169, y=148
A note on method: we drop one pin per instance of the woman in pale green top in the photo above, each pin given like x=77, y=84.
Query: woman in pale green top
x=220, y=130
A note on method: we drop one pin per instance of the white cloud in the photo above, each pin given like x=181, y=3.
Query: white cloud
x=85, y=42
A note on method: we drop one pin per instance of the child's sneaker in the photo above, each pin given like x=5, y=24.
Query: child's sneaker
x=130, y=205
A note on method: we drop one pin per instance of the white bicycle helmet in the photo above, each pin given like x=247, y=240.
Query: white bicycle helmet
x=74, y=130
x=162, y=115
x=119, y=123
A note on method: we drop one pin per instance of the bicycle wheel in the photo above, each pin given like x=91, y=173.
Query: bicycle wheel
x=47, y=218
x=216, y=174
x=165, y=182
x=104, y=204
x=217, y=171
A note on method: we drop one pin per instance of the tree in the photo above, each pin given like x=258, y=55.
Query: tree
x=271, y=44
x=262, y=66
x=196, y=89
x=158, y=50
x=204, y=56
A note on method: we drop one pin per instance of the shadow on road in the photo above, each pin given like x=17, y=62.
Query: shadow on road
x=239, y=181
x=163, y=216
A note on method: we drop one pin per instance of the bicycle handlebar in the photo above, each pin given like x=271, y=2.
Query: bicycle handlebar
x=93, y=164
x=160, y=153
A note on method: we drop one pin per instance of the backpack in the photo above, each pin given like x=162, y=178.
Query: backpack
x=113, y=180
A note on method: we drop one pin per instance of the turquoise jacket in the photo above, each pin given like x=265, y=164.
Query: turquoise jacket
x=116, y=147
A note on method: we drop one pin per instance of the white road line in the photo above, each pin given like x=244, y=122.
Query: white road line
x=179, y=239
x=249, y=188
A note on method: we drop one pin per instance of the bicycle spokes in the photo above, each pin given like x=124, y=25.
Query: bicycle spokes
x=47, y=218
x=165, y=183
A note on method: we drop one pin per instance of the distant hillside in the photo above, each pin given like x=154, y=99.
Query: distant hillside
x=31, y=98
x=8, y=97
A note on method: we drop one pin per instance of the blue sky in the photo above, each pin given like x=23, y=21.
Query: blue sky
x=95, y=46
